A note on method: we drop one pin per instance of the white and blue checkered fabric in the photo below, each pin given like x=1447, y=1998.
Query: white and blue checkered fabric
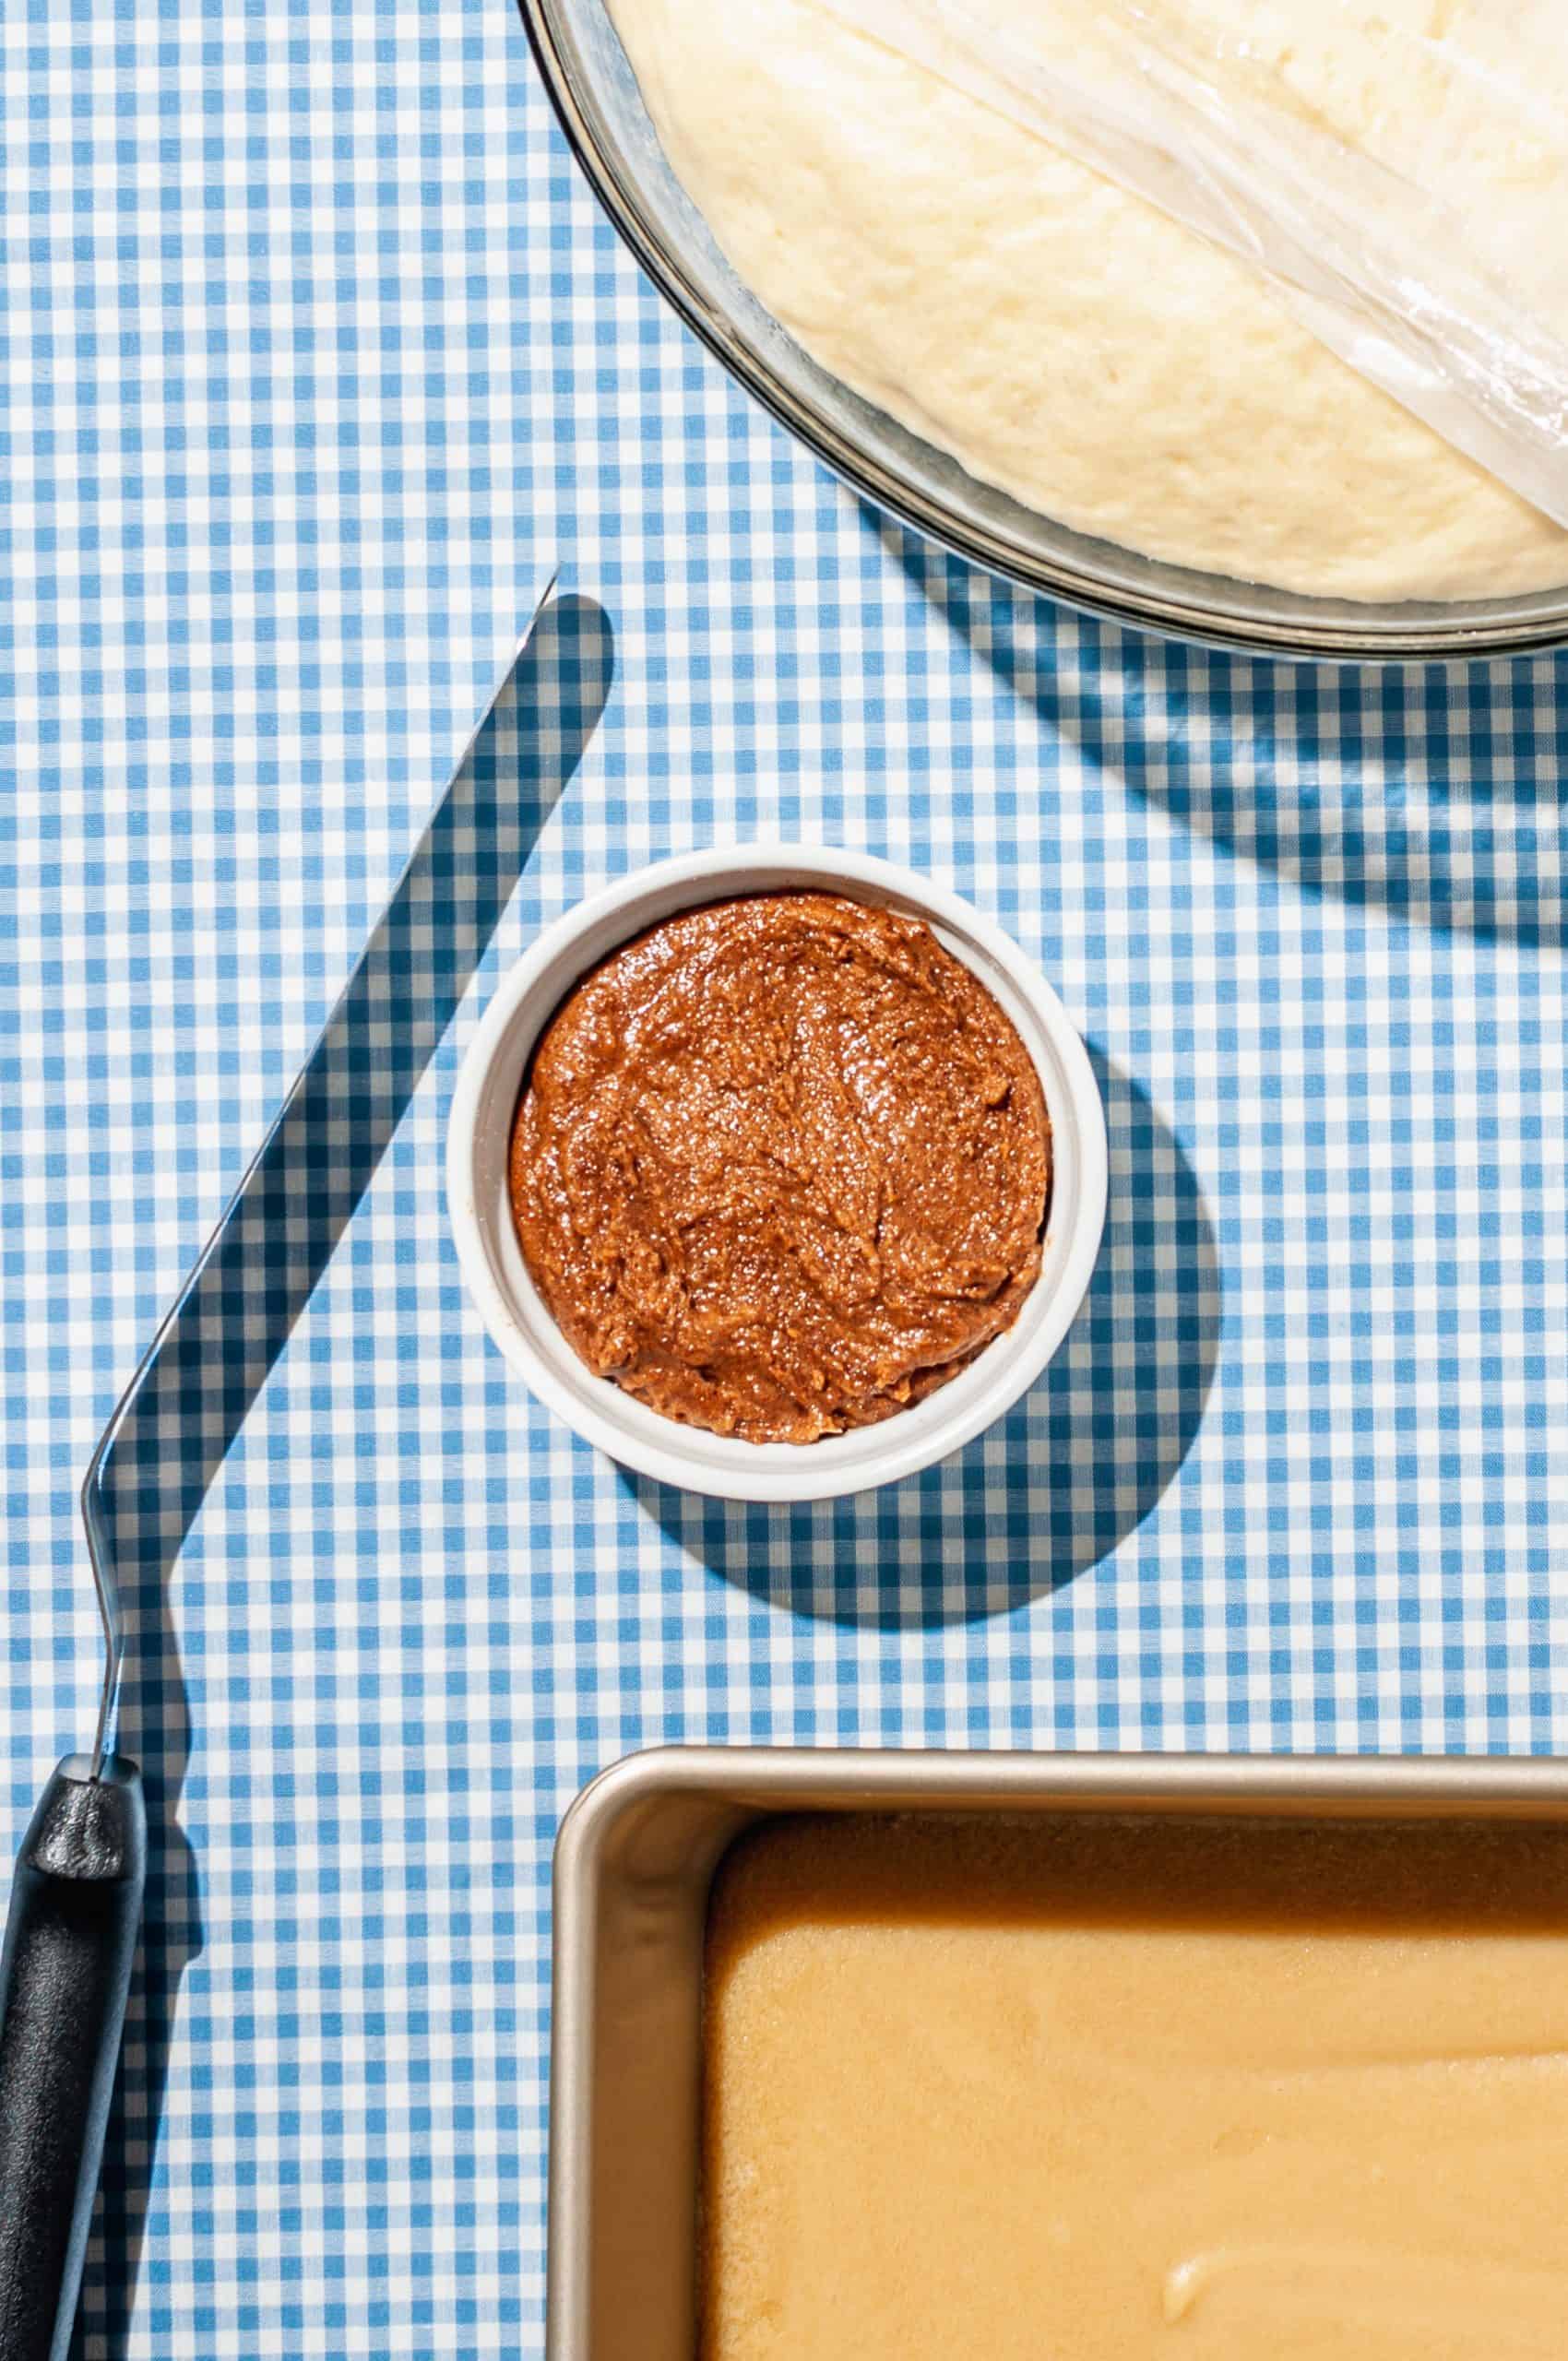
x=317, y=354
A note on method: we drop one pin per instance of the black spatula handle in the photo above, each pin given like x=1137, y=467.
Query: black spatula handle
x=70, y=1937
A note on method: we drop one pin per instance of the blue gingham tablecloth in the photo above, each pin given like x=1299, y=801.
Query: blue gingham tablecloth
x=316, y=353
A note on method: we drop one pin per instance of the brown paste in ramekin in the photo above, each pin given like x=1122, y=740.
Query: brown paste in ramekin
x=781, y=1167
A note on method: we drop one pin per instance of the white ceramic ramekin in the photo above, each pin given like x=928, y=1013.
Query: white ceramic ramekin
x=595, y=1407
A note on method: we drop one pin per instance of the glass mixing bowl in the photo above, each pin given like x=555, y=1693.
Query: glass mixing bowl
x=601, y=110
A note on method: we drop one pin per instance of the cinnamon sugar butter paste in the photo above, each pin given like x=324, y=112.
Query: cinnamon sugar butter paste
x=781, y=1167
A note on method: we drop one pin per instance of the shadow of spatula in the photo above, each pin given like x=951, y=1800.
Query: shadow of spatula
x=76, y=1895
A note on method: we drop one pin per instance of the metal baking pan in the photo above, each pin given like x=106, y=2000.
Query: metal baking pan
x=634, y=1865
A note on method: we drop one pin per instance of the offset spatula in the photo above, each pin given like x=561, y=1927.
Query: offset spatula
x=75, y=1899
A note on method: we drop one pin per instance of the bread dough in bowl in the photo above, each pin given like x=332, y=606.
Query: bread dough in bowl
x=1076, y=347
